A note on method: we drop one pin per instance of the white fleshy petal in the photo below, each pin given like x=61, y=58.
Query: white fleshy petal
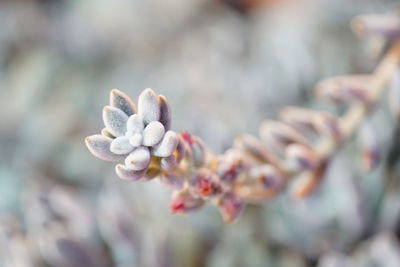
x=153, y=133
x=122, y=101
x=99, y=146
x=115, y=120
x=135, y=124
x=167, y=145
x=139, y=159
x=121, y=145
x=149, y=106
x=128, y=174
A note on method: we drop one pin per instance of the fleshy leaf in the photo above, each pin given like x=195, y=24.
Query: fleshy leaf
x=328, y=125
x=198, y=153
x=231, y=164
x=205, y=184
x=307, y=181
x=153, y=133
x=230, y=207
x=167, y=145
x=168, y=163
x=121, y=145
x=383, y=25
x=99, y=146
x=149, y=106
x=136, y=140
x=115, y=120
x=270, y=177
x=139, y=159
x=181, y=149
x=344, y=89
x=370, y=153
x=122, y=101
x=165, y=116
x=277, y=135
x=172, y=181
x=299, y=118
x=128, y=174
x=301, y=157
x=183, y=202
x=256, y=148
x=135, y=124
x=105, y=132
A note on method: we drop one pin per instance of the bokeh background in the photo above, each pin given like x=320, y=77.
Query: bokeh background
x=224, y=65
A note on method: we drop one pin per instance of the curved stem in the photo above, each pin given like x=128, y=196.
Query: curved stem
x=348, y=123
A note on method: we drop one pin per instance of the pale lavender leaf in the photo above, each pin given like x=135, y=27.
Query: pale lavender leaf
x=122, y=101
x=153, y=133
x=386, y=25
x=168, y=163
x=277, y=135
x=198, y=153
x=167, y=145
x=184, y=202
x=138, y=159
x=105, y=132
x=300, y=157
x=149, y=106
x=269, y=176
x=344, y=89
x=121, y=145
x=230, y=206
x=165, y=116
x=128, y=174
x=136, y=140
x=181, y=149
x=172, y=181
x=328, y=125
x=135, y=124
x=99, y=146
x=256, y=148
x=115, y=120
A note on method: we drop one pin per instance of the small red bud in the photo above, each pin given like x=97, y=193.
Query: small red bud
x=183, y=202
x=178, y=205
x=187, y=137
x=205, y=184
x=230, y=207
x=230, y=166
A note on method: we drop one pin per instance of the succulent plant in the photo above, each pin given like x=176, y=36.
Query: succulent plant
x=136, y=135
x=299, y=145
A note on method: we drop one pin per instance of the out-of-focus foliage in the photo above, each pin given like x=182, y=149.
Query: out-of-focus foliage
x=223, y=71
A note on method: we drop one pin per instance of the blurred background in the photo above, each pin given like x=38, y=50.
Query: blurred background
x=224, y=65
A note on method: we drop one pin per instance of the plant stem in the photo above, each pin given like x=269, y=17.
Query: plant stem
x=348, y=123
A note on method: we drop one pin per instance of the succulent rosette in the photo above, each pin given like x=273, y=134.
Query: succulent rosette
x=138, y=136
